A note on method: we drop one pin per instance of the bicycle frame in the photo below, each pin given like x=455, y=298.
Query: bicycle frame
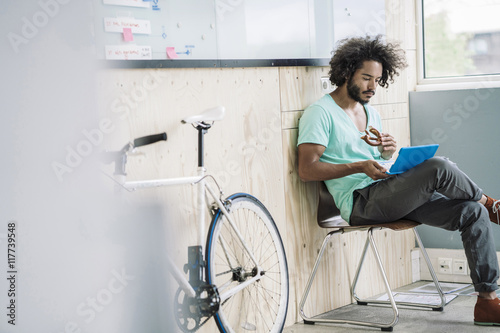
x=203, y=187
x=206, y=284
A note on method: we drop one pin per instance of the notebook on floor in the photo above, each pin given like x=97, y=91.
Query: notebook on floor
x=409, y=157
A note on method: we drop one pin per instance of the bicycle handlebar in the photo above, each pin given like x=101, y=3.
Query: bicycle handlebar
x=120, y=157
x=149, y=139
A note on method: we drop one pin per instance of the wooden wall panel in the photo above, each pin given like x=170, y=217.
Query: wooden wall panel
x=300, y=86
x=243, y=151
x=396, y=92
x=393, y=111
x=399, y=128
x=302, y=233
x=290, y=119
x=249, y=135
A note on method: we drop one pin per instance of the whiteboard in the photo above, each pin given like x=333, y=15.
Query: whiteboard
x=236, y=30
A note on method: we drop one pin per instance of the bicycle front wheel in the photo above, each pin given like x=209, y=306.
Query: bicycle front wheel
x=262, y=305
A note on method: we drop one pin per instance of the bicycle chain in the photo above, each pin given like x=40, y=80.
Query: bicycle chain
x=206, y=308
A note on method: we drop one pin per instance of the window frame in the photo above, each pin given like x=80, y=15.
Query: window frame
x=445, y=83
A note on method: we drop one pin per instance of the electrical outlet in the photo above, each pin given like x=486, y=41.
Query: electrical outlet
x=460, y=266
x=326, y=85
x=445, y=265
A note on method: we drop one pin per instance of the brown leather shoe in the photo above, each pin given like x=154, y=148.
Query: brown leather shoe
x=493, y=207
x=487, y=312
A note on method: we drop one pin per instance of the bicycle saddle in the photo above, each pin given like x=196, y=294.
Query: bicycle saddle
x=212, y=114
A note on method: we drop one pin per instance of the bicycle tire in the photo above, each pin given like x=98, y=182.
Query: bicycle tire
x=261, y=306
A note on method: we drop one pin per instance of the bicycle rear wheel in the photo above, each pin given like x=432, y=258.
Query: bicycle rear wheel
x=262, y=305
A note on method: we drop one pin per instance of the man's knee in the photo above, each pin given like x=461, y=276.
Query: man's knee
x=474, y=216
x=441, y=168
x=430, y=170
x=440, y=163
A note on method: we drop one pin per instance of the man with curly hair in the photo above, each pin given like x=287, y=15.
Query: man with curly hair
x=434, y=193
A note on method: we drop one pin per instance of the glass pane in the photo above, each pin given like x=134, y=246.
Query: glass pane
x=461, y=37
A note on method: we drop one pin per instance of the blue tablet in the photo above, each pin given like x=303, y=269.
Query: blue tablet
x=409, y=157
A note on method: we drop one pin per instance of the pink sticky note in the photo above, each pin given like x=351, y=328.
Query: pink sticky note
x=127, y=35
x=171, y=53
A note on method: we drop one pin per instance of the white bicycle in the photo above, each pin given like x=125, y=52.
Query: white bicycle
x=240, y=277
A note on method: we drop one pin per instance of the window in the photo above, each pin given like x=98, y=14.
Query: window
x=460, y=38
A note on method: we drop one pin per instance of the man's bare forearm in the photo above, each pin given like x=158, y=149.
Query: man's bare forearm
x=319, y=171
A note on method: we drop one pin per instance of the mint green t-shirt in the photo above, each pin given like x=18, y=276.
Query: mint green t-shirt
x=326, y=124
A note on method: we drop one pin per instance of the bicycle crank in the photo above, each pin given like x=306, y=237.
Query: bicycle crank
x=193, y=312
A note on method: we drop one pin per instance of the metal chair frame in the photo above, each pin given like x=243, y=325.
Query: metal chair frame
x=329, y=217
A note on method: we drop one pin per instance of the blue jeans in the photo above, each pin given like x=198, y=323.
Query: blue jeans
x=438, y=194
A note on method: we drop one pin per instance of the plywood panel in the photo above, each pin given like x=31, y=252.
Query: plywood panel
x=393, y=110
x=395, y=19
x=290, y=119
x=410, y=25
x=248, y=134
x=396, y=27
x=399, y=128
x=300, y=86
x=411, y=56
x=300, y=203
x=395, y=93
x=243, y=151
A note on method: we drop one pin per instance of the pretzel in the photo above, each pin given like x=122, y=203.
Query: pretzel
x=377, y=140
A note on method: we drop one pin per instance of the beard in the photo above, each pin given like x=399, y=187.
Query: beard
x=355, y=92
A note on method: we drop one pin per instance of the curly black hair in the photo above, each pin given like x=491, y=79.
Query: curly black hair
x=352, y=52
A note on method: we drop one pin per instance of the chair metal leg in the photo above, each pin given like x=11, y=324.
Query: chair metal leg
x=371, y=242
x=382, y=326
x=358, y=270
x=435, y=307
x=313, y=275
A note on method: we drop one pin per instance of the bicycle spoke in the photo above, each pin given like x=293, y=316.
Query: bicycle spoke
x=260, y=306
x=257, y=305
